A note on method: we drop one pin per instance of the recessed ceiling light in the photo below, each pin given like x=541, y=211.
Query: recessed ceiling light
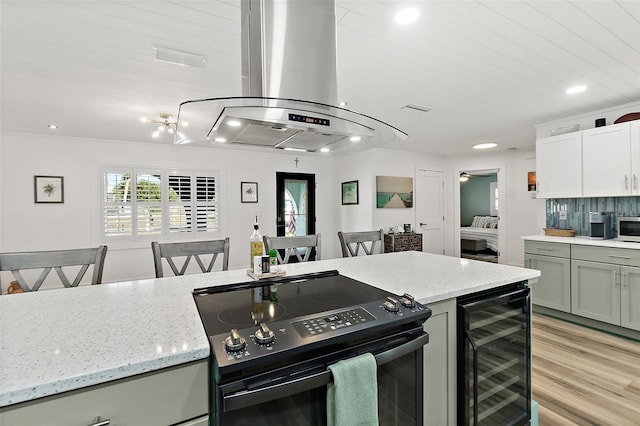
x=233, y=123
x=575, y=89
x=220, y=140
x=355, y=138
x=342, y=104
x=324, y=150
x=485, y=145
x=407, y=16
x=52, y=126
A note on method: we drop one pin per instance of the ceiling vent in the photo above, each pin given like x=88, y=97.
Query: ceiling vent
x=416, y=108
x=185, y=59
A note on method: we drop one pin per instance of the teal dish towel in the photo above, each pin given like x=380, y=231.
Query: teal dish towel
x=352, y=398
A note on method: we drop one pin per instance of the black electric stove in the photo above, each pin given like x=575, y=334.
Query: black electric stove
x=258, y=324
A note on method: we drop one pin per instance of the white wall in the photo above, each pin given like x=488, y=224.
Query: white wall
x=27, y=226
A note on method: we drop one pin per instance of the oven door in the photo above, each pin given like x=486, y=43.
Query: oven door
x=296, y=395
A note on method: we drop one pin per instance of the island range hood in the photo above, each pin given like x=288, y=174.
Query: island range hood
x=289, y=87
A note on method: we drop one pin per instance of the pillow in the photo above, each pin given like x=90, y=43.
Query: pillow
x=485, y=222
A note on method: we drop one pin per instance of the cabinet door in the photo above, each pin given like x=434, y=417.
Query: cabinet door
x=553, y=289
x=559, y=166
x=635, y=156
x=606, y=161
x=595, y=291
x=630, y=298
x=440, y=365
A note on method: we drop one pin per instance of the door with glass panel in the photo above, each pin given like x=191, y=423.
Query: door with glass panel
x=296, y=204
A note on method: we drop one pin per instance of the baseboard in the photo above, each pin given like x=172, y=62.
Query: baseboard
x=588, y=322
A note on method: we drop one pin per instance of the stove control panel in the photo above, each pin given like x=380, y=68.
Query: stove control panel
x=238, y=347
x=336, y=321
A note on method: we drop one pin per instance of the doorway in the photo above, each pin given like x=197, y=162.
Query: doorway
x=479, y=215
x=295, y=204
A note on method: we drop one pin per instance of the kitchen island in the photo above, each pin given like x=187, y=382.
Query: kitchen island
x=64, y=341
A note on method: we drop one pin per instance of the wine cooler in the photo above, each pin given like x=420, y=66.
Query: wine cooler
x=494, y=357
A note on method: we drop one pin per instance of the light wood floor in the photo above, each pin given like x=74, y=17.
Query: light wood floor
x=584, y=377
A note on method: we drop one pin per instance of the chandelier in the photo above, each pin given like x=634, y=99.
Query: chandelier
x=165, y=125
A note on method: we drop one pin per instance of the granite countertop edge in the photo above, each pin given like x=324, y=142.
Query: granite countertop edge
x=586, y=241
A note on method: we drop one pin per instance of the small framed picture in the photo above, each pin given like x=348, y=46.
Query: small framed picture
x=49, y=189
x=350, y=192
x=249, y=192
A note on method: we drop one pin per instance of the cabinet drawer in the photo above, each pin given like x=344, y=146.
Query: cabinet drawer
x=167, y=396
x=547, y=249
x=619, y=256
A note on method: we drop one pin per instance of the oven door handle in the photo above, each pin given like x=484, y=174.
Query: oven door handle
x=248, y=398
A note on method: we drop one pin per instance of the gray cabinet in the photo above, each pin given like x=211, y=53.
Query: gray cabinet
x=595, y=291
x=630, y=297
x=595, y=282
x=176, y=395
x=553, y=288
x=605, y=285
x=440, y=365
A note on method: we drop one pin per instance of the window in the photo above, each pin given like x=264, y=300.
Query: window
x=493, y=197
x=144, y=204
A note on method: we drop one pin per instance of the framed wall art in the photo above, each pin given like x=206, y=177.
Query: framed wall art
x=48, y=189
x=394, y=192
x=350, y=192
x=249, y=192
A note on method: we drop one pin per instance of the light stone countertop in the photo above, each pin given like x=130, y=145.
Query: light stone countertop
x=54, y=341
x=586, y=241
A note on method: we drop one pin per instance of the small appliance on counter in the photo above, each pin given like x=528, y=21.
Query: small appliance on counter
x=629, y=228
x=600, y=226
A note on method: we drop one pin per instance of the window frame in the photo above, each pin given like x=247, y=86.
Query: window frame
x=165, y=232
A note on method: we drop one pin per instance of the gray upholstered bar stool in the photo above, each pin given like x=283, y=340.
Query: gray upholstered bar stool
x=55, y=259
x=351, y=242
x=195, y=249
x=299, y=246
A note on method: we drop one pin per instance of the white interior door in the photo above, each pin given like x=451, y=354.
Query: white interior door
x=430, y=209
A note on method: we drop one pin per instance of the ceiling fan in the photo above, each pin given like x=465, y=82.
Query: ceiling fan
x=464, y=176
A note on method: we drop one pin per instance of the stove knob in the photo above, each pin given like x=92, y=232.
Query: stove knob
x=263, y=335
x=408, y=301
x=391, y=304
x=234, y=342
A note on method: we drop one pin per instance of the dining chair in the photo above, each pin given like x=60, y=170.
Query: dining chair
x=195, y=249
x=351, y=242
x=18, y=262
x=299, y=246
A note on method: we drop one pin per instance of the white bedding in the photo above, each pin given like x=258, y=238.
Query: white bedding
x=490, y=235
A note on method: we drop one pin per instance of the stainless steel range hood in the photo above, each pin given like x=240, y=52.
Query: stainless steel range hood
x=289, y=87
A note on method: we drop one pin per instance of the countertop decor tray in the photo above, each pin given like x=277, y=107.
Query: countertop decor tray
x=280, y=273
x=555, y=232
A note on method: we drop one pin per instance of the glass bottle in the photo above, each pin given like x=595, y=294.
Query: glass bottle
x=257, y=248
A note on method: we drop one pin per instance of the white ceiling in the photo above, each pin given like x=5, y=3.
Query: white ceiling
x=491, y=70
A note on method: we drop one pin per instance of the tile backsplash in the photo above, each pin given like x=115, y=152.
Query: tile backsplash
x=576, y=211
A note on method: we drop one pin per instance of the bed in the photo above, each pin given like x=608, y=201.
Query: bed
x=482, y=228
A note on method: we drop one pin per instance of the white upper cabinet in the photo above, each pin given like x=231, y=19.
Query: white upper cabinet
x=559, y=166
x=634, y=127
x=606, y=161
